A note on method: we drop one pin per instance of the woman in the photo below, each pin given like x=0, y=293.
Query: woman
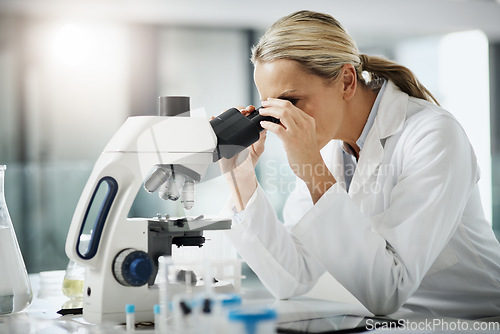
x=387, y=199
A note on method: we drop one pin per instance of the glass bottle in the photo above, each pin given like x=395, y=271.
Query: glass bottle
x=73, y=285
x=74, y=279
x=15, y=287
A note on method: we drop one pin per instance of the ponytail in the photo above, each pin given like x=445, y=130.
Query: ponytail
x=378, y=67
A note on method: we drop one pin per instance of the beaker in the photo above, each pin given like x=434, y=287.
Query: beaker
x=15, y=287
x=74, y=279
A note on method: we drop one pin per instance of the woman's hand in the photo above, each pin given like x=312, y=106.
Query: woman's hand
x=256, y=149
x=297, y=131
x=240, y=169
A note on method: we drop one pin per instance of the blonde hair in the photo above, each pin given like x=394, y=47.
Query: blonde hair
x=322, y=46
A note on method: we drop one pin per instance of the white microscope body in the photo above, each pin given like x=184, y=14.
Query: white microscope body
x=121, y=258
x=141, y=143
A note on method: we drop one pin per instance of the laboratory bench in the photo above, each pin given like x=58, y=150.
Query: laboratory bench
x=297, y=315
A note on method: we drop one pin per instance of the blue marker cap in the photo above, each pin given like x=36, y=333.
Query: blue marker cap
x=129, y=308
x=156, y=309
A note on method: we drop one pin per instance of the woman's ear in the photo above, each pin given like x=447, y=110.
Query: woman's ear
x=349, y=80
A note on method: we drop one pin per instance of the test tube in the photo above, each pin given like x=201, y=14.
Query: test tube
x=130, y=317
x=158, y=320
x=163, y=263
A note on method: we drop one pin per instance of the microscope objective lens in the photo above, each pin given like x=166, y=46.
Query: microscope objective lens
x=163, y=191
x=172, y=191
x=187, y=198
x=156, y=179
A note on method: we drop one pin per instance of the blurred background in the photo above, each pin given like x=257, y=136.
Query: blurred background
x=71, y=72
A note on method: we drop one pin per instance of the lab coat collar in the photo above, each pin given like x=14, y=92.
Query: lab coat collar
x=389, y=120
x=371, y=117
x=392, y=111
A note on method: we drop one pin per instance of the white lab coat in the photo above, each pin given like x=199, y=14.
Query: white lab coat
x=410, y=232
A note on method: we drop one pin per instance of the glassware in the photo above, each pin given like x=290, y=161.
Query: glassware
x=74, y=279
x=15, y=287
x=73, y=285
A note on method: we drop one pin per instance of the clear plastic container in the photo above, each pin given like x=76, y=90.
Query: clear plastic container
x=15, y=287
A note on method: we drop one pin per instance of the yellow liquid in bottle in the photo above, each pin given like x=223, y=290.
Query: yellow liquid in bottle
x=73, y=288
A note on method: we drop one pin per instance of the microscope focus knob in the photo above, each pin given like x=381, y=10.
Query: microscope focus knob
x=132, y=267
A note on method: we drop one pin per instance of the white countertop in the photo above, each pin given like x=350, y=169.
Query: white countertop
x=41, y=316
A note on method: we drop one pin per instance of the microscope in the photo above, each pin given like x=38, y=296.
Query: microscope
x=168, y=153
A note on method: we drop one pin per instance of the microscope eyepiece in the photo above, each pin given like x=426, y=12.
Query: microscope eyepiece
x=256, y=118
x=235, y=132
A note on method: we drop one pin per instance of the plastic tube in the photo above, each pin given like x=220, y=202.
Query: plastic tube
x=130, y=317
x=163, y=263
x=158, y=320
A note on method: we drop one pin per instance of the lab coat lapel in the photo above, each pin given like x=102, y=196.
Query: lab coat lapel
x=369, y=160
x=333, y=158
x=389, y=120
x=336, y=166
